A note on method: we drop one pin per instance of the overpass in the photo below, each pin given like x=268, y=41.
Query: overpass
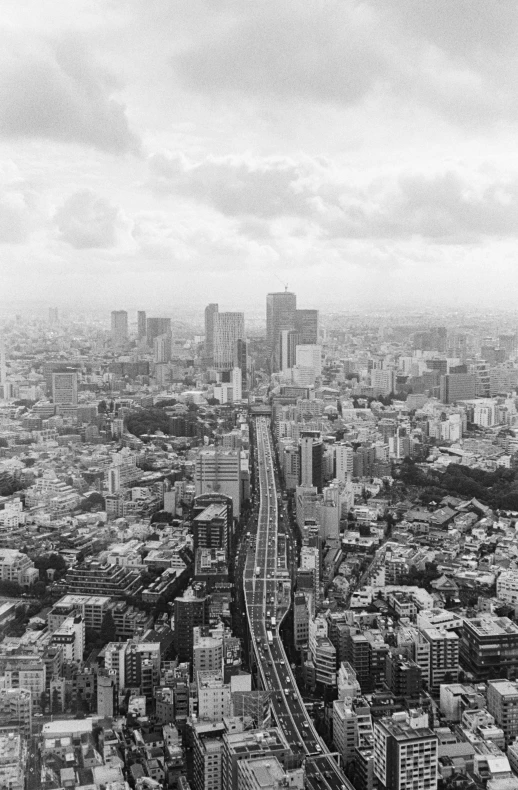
x=267, y=593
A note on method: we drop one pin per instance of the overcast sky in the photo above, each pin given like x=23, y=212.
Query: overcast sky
x=167, y=151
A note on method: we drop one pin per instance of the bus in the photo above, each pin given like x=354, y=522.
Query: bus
x=273, y=621
x=270, y=637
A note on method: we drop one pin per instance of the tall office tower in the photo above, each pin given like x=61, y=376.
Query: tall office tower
x=141, y=324
x=311, y=459
x=53, y=315
x=458, y=386
x=241, y=360
x=210, y=311
x=119, y=327
x=306, y=324
x=190, y=611
x=162, y=349
x=156, y=327
x=64, y=388
x=344, y=454
x=289, y=340
x=441, y=665
x=219, y=471
x=280, y=316
x=489, y=647
x=405, y=755
x=228, y=329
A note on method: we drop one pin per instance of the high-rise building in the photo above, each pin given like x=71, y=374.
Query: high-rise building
x=403, y=676
x=141, y=324
x=119, y=327
x=241, y=360
x=458, y=386
x=502, y=703
x=306, y=325
x=405, y=756
x=228, y=329
x=107, y=690
x=162, y=349
x=289, y=341
x=219, y=471
x=442, y=658
x=210, y=311
x=190, y=611
x=156, y=327
x=310, y=356
x=64, y=388
x=489, y=646
x=280, y=316
x=311, y=459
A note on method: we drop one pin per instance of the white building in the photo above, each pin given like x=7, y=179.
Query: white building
x=214, y=700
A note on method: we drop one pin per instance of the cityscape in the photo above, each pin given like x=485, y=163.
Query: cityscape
x=258, y=395
x=252, y=555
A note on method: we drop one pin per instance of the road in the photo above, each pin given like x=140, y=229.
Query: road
x=267, y=592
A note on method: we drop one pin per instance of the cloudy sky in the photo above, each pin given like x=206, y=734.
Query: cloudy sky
x=180, y=151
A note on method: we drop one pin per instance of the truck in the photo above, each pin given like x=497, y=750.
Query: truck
x=257, y=571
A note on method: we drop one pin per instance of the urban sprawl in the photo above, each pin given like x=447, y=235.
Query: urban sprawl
x=279, y=552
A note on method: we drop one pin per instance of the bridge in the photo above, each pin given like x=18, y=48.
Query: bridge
x=267, y=593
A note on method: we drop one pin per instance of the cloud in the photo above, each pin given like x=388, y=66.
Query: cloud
x=52, y=89
x=457, y=58
x=275, y=197
x=236, y=187
x=87, y=221
x=15, y=218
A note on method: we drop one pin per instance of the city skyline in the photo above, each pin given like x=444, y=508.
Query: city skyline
x=165, y=146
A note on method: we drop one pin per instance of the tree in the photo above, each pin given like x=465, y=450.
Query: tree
x=39, y=589
x=108, y=631
x=43, y=701
x=55, y=702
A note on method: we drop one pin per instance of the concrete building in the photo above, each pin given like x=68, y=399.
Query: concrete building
x=119, y=327
x=219, y=471
x=502, y=703
x=280, y=316
x=70, y=635
x=214, y=700
x=268, y=774
x=228, y=328
x=107, y=693
x=311, y=459
x=251, y=744
x=442, y=663
x=405, y=756
x=457, y=386
x=64, y=388
x=210, y=311
x=17, y=567
x=489, y=646
x=16, y=709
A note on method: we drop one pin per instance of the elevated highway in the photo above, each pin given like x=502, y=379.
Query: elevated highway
x=267, y=593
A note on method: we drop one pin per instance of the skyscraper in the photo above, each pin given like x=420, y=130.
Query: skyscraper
x=210, y=311
x=141, y=324
x=311, y=459
x=306, y=324
x=280, y=315
x=119, y=327
x=228, y=329
x=156, y=327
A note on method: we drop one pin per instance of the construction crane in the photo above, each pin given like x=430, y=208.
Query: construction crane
x=281, y=281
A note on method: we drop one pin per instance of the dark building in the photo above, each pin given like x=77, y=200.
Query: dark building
x=210, y=311
x=280, y=316
x=458, y=386
x=403, y=676
x=306, y=326
x=190, y=611
x=156, y=327
x=141, y=324
x=210, y=528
